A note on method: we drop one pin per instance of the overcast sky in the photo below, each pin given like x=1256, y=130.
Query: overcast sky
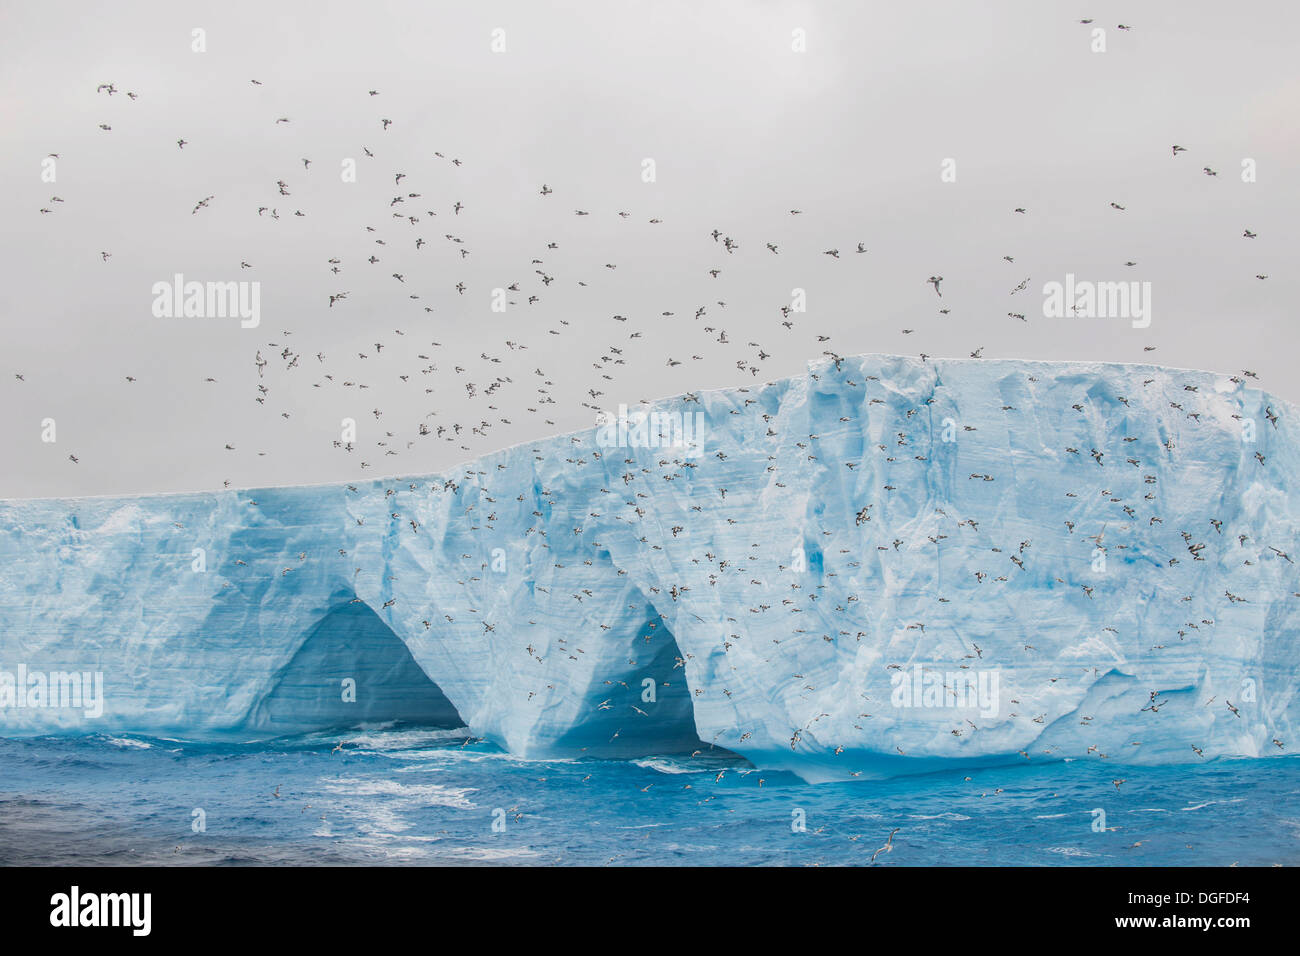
x=741, y=126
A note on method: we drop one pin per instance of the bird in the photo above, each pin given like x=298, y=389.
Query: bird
x=934, y=281
x=888, y=847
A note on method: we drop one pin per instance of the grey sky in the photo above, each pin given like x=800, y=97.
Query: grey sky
x=742, y=129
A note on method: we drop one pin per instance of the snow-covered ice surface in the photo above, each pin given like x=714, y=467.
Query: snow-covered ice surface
x=1043, y=528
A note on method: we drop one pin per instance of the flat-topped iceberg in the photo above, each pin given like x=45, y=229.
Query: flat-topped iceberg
x=884, y=566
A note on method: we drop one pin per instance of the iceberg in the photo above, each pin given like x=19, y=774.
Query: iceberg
x=883, y=566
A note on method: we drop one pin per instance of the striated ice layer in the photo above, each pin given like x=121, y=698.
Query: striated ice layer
x=881, y=567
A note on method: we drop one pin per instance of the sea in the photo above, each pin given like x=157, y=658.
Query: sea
x=403, y=795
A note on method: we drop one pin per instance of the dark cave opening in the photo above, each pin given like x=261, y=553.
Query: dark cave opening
x=351, y=670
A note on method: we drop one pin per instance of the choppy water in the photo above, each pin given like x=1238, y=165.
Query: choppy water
x=430, y=797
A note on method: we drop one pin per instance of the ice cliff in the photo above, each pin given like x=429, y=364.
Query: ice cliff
x=1104, y=552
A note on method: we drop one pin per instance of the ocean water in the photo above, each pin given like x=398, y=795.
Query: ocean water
x=406, y=795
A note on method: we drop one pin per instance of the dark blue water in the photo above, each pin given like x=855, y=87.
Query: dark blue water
x=405, y=796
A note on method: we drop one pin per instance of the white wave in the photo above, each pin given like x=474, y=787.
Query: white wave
x=428, y=794
x=379, y=740
x=1069, y=851
x=665, y=765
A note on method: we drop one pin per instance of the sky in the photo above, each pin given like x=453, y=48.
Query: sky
x=916, y=130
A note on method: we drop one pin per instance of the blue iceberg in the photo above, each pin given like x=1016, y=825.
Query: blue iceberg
x=883, y=566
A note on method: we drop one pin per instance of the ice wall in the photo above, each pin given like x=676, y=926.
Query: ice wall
x=1104, y=551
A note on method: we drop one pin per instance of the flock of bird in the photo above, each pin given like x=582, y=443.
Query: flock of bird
x=410, y=221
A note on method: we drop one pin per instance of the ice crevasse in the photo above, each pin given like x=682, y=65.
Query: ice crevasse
x=882, y=566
